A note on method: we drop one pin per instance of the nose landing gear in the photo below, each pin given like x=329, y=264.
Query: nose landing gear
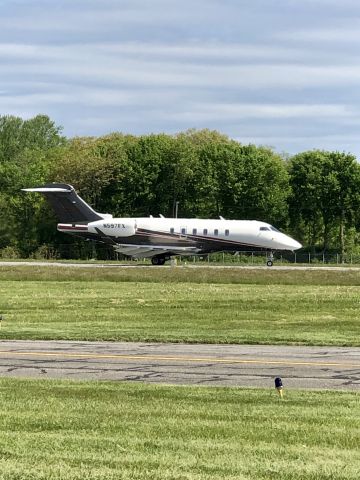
x=270, y=260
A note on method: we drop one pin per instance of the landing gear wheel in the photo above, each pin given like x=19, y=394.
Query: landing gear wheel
x=158, y=260
x=270, y=259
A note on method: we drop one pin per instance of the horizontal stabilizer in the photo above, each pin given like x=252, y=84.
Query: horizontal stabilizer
x=46, y=190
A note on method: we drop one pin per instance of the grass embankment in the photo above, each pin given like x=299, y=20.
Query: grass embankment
x=78, y=430
x=181, y=305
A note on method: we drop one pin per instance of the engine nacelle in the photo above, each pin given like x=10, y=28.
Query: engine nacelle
x=114, y=227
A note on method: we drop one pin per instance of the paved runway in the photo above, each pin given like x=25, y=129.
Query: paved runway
x=226, y=365
x=188, y=265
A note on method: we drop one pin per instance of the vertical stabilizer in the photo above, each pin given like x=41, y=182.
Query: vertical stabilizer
x=68, y=206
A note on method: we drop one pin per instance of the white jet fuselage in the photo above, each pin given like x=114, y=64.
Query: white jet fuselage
x=185, y=235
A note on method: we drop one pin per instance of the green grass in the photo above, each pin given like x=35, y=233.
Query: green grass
x=52, y=430
x=188, y=274
x=180, y=305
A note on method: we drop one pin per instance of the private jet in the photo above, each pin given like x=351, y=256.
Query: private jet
x=161, y=238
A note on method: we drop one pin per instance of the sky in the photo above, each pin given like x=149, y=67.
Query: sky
x=280, y=73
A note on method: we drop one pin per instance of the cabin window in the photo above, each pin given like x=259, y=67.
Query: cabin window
x=227, y=233
x=216, y=232
x=264, y=229
x=205, y=231
x=172, y=230
x=194, y=231
x=183, y=231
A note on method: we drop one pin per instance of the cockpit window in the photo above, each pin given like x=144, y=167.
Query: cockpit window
x=264, y=229
x=274, y=229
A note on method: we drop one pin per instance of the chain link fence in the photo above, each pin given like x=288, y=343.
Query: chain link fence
x=258, y=258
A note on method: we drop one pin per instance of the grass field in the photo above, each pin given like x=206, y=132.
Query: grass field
x=79, y=430
x=181, y=305
x=188, y=274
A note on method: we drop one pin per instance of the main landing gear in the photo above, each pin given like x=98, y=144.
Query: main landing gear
x=158, y=260
x=270, y=260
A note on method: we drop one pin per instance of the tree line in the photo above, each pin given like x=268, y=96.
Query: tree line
x=314, y=195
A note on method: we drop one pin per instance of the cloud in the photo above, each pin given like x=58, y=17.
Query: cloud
x=336, y=35
x=263, y=111
x=287, y=72
x=172, y=66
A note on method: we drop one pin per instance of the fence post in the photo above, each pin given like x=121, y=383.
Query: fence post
x=309, y=257
x=295, y=257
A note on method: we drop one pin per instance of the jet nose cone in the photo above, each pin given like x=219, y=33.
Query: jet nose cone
x=297, y=245
x=289, y=243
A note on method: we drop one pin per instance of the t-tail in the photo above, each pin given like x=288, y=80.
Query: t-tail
x=68, y=206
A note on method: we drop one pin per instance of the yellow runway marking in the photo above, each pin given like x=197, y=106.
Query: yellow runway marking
x=160, y=358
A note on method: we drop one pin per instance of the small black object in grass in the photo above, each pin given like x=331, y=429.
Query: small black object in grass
x=279, y=386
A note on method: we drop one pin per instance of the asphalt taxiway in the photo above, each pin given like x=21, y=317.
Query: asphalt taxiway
x=223, y=365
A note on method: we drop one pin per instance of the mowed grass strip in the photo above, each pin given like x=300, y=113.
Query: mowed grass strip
x=180, y=312
x=181, y=274
x=80, y=430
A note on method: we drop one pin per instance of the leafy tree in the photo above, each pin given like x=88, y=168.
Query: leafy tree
x=17, y=135
x=159, y=167
x=238, y=181
x=261, y=187
x=25, y=150
x=87, y=164
x=325, y=193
